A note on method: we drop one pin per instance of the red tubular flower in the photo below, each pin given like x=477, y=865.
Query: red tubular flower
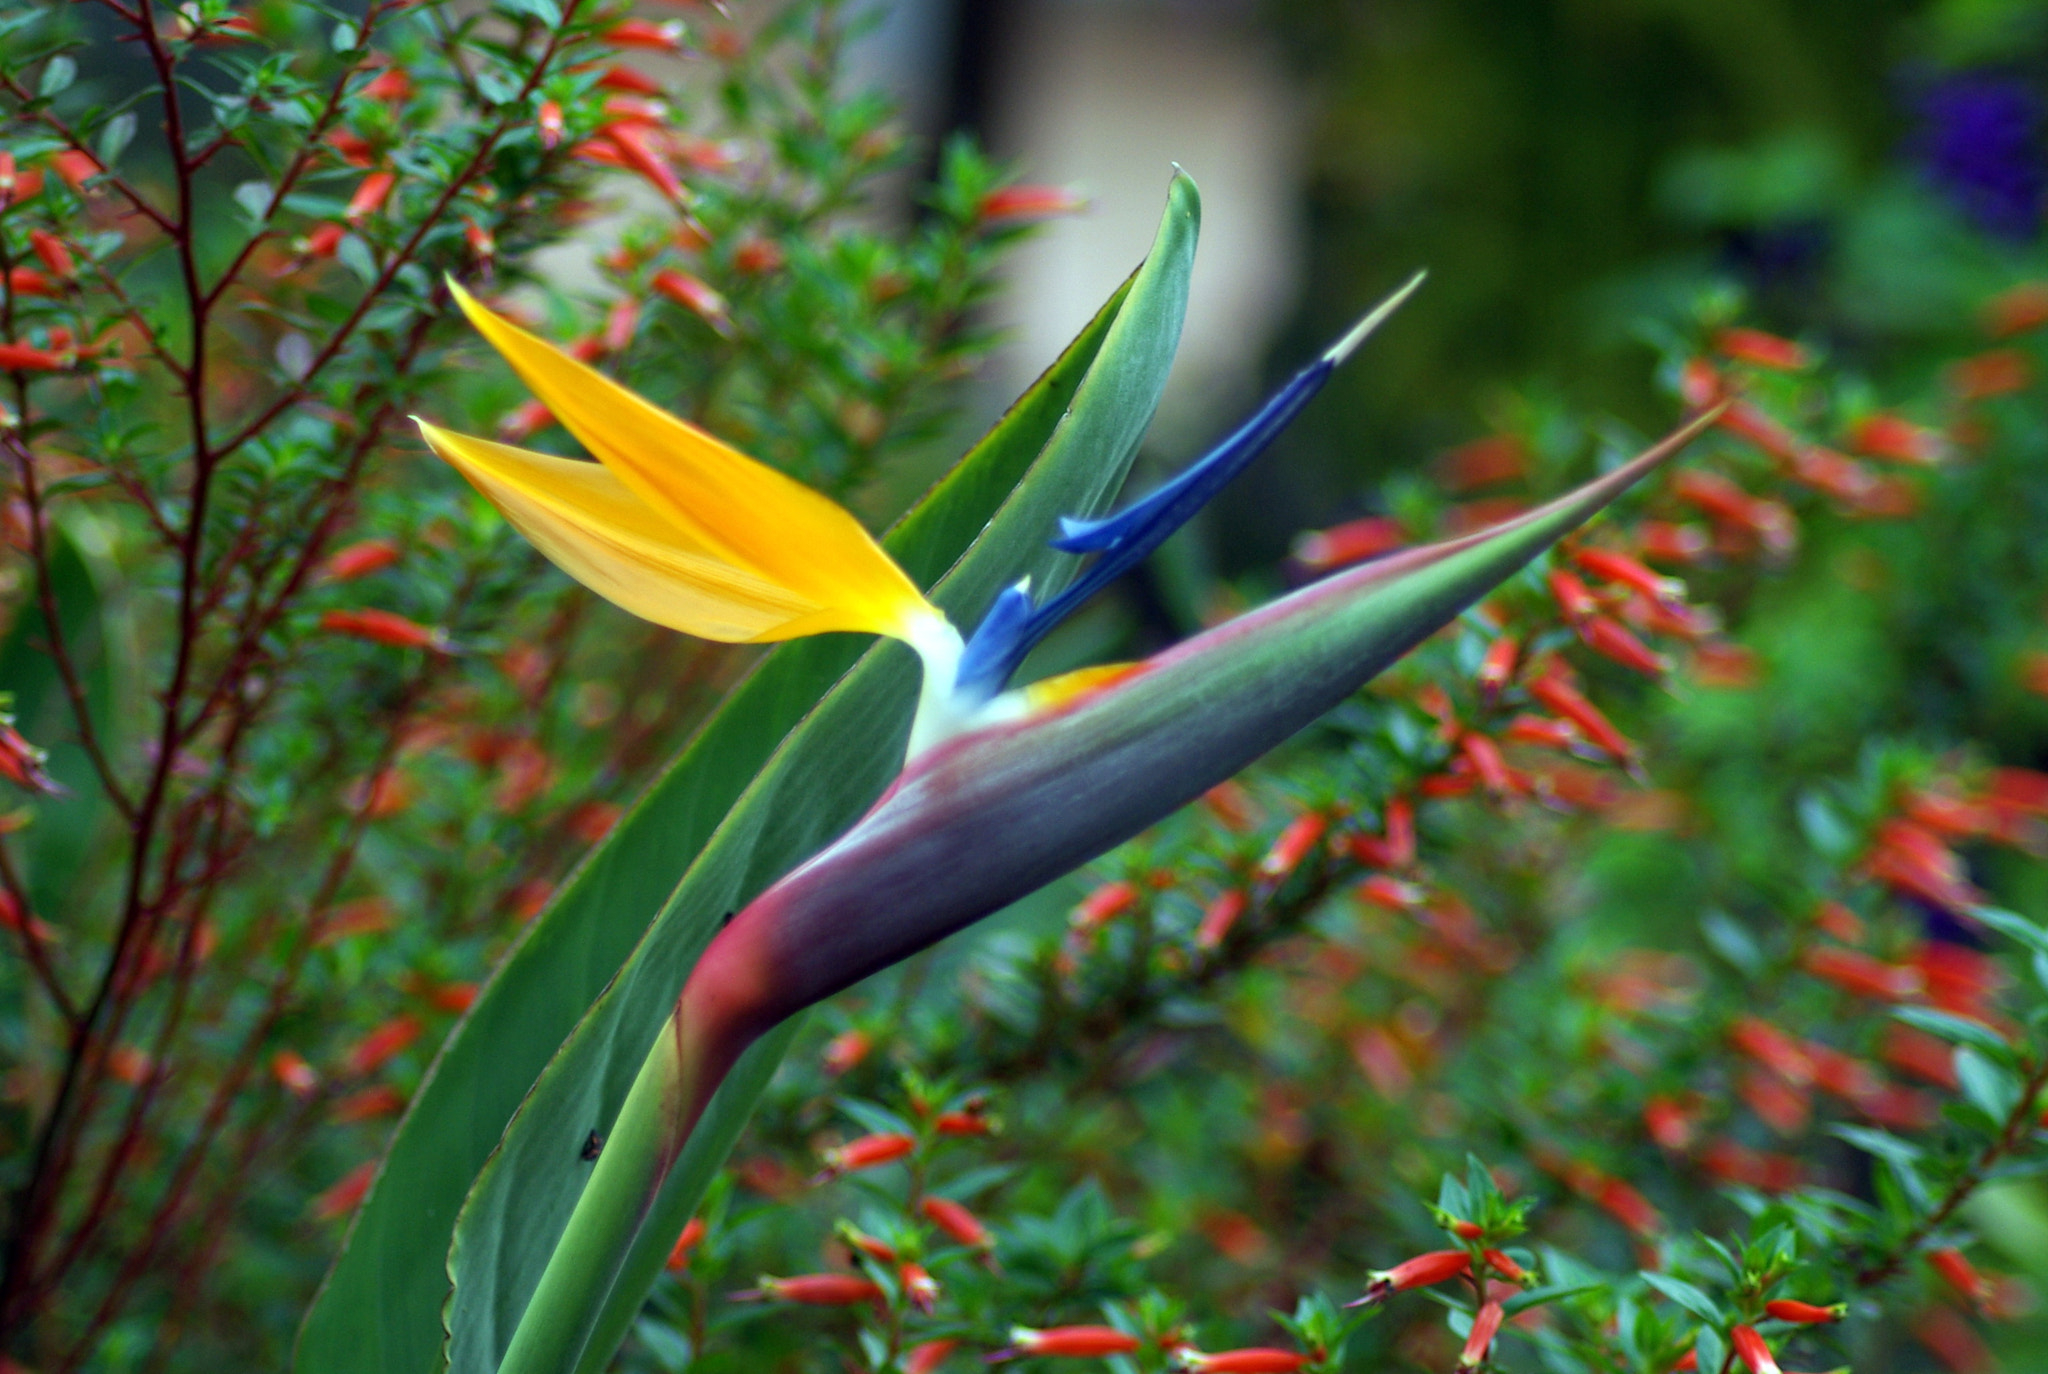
x=482, y=246
x=342, y=1198
x=1422, y=1271
x=381, y=1045
x=1758, y=349
x=1485, y=757
x=384, y=627
x=391, y=85
x=1572, y=595
x=370, y=195
x=1926, y=1057
x=1700, y=384
x=1505, y=1266
x=1352, y=542
x=868, y=1152
x=1467, y=1230
x=1251, y=1360
x=1956, y=1269
x=1790, y=1310
x=815, y=1290
x=1543, y=732
x=693, y=295
x=647, y=34
x=1220, y=916
x=1026, y=204
x=1294, y=844
x=548, y=119
x=1560, y=698
x=919, y=1287
x=1751, y=1350
x=294, y=1074
x=525, y=420
x=76, y=167
x=629, y=80
x=1611, y=640
x=1400, y=832
x=2017, y=310
x=972, y=1123
x=1781, y=1053
x=54, y=254
x=1853, y=971
x=2000, y=372
x=1669, y=1123
x=1104, y=905
x=923, y=1359
x=1485, y=1327
x=845, y=1051
x=1669, y=542
x=1746, y=421
x=1619, y=568
x=1392, y=893
x=1497, y=667
x=692, y=1236
x=321, y=242
x=359, y=560
x=636, y=150
x=1897, y=440
x=1729, y=506
x=757, y=257
x=15, y=357
x=1085, y=1342
x=1628, y=1207
x=26, y=281
x=369, y=1104
x=960, y=1225
x=1484, y=462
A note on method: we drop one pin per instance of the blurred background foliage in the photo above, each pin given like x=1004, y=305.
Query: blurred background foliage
x=1594, y=185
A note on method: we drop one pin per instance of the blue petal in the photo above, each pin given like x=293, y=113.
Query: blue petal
x=1127, y=538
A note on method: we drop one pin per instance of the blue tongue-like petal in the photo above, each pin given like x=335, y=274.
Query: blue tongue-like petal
x=1123, y=540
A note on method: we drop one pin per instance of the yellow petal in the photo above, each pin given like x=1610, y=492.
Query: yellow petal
x=598, y=531
x=731, y=506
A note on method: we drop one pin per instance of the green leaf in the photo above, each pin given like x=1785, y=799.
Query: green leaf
x=1957, y=1030
x=114, y=138
x=1883, y=1144
x=1991, y=1088
x=380, y=1306
x=2029, y=933
x=1686, y=1296
x=824, y=776
x=1709, y=1350
x=58, y=74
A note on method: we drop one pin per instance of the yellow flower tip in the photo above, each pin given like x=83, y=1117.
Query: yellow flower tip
x=725, y=503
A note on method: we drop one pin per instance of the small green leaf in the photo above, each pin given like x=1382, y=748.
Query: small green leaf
x=547, y=11
x=1686, y=1296
x=114, y=138
x=1957, y=1030
x=1709, y=1350
x=1991, y=1088
x=2029, y=933
x=347, y=37
x=1883, y=1144
x=58, y=74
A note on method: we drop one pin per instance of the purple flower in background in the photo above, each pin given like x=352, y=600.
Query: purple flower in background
x=1980, y=144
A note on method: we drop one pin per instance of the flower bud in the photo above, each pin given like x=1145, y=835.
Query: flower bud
x=868, y=1152
x=1751, y=1350
x=1485, y=1326
x=1789, y=1310
x=959, y=1224
x=1084, y=1342
x=1420, y=1272
x=692, y=1236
